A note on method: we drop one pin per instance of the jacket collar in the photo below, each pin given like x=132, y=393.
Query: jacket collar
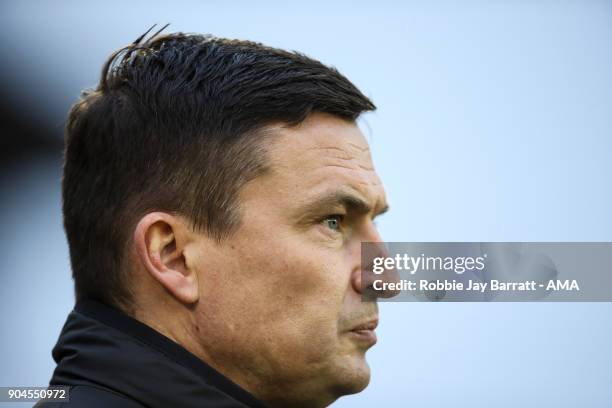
x=102, y=346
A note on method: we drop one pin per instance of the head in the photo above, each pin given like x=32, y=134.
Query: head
x=219, y=191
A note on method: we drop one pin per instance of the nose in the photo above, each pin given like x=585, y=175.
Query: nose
x=371, y=279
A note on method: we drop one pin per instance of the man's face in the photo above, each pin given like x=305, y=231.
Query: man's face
x=280, y=308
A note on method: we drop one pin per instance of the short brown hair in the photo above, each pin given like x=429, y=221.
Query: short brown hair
x=173, y=126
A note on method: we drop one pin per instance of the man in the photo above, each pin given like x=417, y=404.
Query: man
x=215, y=196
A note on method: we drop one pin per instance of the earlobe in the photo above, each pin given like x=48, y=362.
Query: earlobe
x=160, y=245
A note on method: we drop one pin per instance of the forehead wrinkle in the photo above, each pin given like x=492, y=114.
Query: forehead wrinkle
x=339, y=165
x=370, y=188
x=334, y=148
x=345, y=161
x=360, y=148
x=355, y=151
x=352, y=161
x=327, y=159
x=349, y=165
x=362, y=161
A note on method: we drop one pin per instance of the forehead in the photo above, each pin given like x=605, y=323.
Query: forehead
x=324, y=153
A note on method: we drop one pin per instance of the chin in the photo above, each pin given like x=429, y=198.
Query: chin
x=354, y=377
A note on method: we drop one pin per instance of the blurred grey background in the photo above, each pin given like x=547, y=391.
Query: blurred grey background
x=494, y=124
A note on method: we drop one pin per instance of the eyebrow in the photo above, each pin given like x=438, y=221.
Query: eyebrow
x=351, y=202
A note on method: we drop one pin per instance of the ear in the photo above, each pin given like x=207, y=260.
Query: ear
x=160, y=241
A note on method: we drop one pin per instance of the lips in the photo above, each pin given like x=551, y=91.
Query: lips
x=371, y=325
x=365, y=332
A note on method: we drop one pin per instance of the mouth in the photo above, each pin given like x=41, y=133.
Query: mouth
x=365, y=332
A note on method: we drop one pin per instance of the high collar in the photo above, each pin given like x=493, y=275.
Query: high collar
x=102, y=346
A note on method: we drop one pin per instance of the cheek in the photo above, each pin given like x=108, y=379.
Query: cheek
x=275, y=303
x=305, y=296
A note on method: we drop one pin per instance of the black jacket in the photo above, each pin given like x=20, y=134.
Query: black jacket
x=111, y=360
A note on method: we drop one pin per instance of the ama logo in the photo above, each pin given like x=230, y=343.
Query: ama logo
x=567, y=284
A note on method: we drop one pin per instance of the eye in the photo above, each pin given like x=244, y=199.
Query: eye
x=334, y=222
